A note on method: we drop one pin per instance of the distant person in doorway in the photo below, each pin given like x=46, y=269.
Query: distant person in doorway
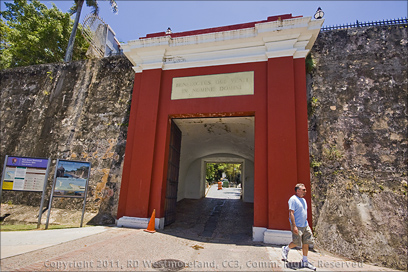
x=301, y=233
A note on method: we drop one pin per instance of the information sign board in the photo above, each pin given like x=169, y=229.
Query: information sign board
x=71, y=178
x=24, y=174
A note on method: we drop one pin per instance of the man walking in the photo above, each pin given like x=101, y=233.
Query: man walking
x=301, y=233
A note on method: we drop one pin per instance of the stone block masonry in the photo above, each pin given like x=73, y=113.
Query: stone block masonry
x=74, y=111
x=358, y=143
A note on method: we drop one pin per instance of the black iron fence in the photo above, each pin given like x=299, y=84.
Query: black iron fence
x=402, y=21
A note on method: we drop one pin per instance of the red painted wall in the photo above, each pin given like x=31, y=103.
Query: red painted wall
x=276, y=110
x=302, y=132
x=137, y=173
x=282, y=169
x=124, y=188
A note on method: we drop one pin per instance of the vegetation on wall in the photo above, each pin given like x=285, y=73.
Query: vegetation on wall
x=310, y=64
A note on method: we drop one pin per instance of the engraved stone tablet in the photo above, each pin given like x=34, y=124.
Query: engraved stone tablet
x=218, y=85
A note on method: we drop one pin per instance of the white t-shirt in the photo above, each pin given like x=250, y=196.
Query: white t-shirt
x=299, y=206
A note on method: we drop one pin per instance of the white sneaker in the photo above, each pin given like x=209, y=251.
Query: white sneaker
x=285, y=254
x=308, y=265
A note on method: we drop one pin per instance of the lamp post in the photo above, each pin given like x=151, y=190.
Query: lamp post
x=319, y=14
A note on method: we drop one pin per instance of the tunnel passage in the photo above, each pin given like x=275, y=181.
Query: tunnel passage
x=223, y=140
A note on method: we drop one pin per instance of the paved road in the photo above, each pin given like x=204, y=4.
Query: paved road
x=211, y=234
x=224, y=193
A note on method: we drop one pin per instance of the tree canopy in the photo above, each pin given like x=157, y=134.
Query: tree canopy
x=232, y=171
x=33, y=34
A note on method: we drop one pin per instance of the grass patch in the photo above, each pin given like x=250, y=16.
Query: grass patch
x=26, y=227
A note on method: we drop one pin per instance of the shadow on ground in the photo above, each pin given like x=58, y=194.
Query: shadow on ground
x=213, y=220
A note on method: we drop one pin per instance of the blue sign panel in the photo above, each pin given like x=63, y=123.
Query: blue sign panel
x=27, y=162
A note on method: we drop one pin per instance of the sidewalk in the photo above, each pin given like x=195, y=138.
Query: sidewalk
x=18, y=242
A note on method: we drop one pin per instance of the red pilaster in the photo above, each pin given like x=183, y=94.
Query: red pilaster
x=261, y=183
x=282, y=161
x=261, y=171
x=160, y=161
x=124, y=188
x=138, y=176
x=302, y=137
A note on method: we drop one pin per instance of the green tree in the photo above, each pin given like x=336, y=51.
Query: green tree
x=33, y=34
x=210, y=176
x=76, y=9
x=214, y=171
x=232, y=171
x=5, y=55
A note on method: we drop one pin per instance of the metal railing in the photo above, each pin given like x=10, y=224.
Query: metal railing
x=119, y=53
x=402, y=21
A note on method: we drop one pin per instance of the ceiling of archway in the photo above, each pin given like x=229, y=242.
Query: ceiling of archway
x=203, y=137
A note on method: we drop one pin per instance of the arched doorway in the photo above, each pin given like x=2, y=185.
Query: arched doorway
x=213, y=140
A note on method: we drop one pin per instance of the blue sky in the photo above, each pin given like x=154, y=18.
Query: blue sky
x=137, y=18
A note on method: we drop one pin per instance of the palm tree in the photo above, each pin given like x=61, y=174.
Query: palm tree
x=76, y=8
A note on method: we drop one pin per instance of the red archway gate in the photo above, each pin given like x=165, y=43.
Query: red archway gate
x=253, y=69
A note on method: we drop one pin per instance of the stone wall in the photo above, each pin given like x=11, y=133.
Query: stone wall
x=75, y=111
x=358, y=143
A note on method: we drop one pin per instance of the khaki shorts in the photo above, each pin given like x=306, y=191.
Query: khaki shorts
x=305, y=236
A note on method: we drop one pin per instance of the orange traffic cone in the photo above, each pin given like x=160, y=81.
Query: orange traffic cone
x=150, y=227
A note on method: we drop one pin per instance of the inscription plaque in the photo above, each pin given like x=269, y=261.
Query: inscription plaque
x=218, y=85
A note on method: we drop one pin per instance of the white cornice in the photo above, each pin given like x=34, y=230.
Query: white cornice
x=291, y=37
